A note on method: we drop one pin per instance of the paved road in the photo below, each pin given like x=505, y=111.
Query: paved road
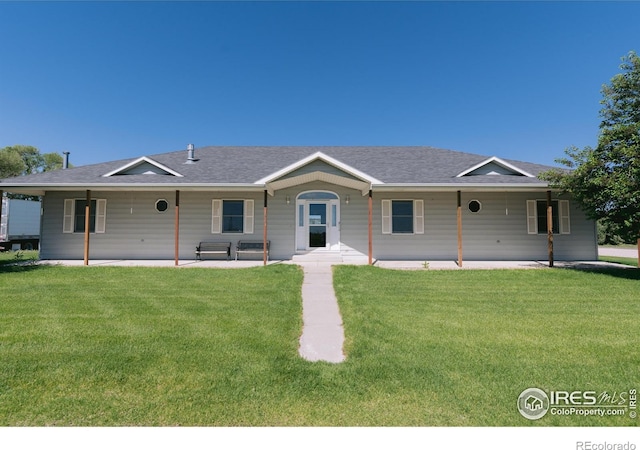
x=621, y=252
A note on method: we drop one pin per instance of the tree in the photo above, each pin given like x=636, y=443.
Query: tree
x=51, y=161
x=31, y=157
x=11, y=163
x=24, y=159
x=606, y=179
x=608, y=233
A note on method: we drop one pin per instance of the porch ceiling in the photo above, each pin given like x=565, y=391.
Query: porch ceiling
x=360, y=185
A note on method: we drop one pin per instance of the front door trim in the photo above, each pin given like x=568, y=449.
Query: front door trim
x=303, y=202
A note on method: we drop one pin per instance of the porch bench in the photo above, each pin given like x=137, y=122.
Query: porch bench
x=221, y=248
x=251, y=247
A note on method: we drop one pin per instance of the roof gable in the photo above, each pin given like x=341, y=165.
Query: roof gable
x=309, y=161
x=143, y=166
x=494, y=166
x=309, y=177
x=318, y=166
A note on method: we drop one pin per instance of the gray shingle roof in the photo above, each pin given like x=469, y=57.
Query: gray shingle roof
x=231, y=165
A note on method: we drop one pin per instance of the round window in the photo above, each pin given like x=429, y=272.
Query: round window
x=475, y=206
x=162, y=205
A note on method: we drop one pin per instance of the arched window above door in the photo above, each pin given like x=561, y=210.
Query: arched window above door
x=317, y=195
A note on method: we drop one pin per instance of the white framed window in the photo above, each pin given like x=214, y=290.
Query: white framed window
x=402, y=216
x=75, y=215
x=232, y=216
x=537, y=217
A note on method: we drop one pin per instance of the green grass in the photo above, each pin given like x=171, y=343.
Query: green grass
x=22, y=256
x=620, y=260
x=458, y=347
x=141, y=346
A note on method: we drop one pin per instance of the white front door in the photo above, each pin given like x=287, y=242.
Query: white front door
x=317, y=221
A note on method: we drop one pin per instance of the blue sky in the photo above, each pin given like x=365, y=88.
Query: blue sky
x=111, y=80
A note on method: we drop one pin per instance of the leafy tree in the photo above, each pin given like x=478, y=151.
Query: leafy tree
x=606, y=179
x=31, y=157
x=11, y=163
x=24, y=159
x=608, y=233
x=51, y=161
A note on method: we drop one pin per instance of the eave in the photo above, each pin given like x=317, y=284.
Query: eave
x=465, y=187
x=40, y=189
x=271, y=187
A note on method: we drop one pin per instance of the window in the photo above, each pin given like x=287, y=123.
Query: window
x=162, y=205
x=537, y=217
x=318, y=195
x=80, y=215
x=475, y=206
x=232, y=216
x=541, y=207
x=75, y=214
x=402, y=216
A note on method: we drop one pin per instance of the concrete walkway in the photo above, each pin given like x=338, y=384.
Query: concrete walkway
x=491, y=265
x=322, y=332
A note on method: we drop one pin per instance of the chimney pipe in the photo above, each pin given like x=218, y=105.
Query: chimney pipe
x=65, y=160
x=191, y=154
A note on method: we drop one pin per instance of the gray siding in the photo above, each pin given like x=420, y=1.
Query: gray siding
x=497, y=232
x=135, y=230
x=439, y=240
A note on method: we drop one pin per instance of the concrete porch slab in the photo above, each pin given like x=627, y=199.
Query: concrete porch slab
x=220, y=264
x=395, y=264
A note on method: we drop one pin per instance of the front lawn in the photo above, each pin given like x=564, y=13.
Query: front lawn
x=21, y=256
x=458, y=347
x=620, y=260
x=142, y=346
x=164, y=346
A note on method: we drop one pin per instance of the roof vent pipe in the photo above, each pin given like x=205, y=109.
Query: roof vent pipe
x=65, y=160
x=191, y=154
